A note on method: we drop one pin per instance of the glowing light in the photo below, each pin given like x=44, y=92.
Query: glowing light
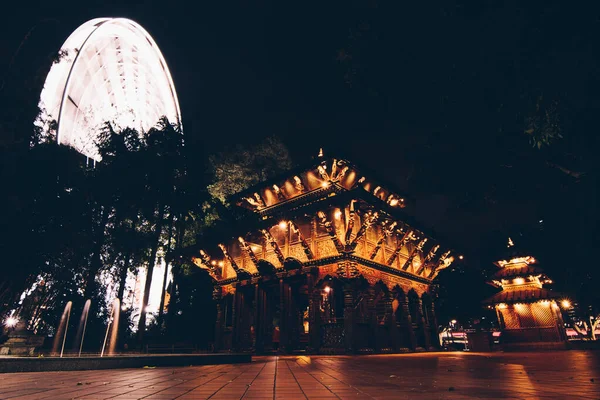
x=394, y=202
x=565, y=303
x=213, y=262
x=327, y=289
x=519, y=281
x=221, y=263
x=453, y=322
x=283, y=224
x=325, y=184
x=502, y=305
x=11, y=322
x=337, y=214
x=461, y=257
x=110, y=70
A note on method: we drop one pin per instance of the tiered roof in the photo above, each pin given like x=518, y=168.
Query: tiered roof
x=521, y=280
x=308, y=191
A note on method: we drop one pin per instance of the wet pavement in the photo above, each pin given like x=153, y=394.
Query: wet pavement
x=543, y=375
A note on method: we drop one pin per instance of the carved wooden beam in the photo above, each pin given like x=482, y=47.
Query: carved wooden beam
x=271, y=240
x=333, y=169
x=279, y=192
x=386, y=232
x=298, y=184
x=330, y=231
x=444, y=262
x=343, y=173
x=240, y=272
x=256, y=201
x=368, y=220
x=248, y=249
x=413, y=253
x=350, y=225
x=323, y=173
x=409, y=235
x=305, y=246
x=428, y=258
x=208, y=265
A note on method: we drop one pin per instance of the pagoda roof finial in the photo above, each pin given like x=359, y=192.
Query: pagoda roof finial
x=320, y=152
x=510, y=242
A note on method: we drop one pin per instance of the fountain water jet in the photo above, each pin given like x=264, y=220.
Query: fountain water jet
x=114, y=321
x=63, y=326
x=82, y=325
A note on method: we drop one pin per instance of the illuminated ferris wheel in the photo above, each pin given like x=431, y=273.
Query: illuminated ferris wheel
x=110, y=69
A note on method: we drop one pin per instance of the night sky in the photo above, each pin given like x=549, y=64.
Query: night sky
x=432, y=96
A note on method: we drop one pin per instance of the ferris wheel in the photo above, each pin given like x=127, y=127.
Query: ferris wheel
x=108, y=70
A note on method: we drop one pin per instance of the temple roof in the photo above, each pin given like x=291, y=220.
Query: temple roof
x=521, y=271
x=524, y=295
x=327, y=212
x=321, y=172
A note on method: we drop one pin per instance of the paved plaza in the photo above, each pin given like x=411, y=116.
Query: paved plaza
x=559, y=375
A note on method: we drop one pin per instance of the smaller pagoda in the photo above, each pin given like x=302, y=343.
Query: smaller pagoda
x=528, y=314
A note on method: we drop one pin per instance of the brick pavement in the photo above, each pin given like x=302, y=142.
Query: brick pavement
x=559, y=375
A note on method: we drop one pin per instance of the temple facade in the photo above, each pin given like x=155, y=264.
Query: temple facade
x=528, y=313
x=326, y=261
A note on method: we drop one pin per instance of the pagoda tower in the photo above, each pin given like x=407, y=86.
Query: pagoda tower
x=528, y=313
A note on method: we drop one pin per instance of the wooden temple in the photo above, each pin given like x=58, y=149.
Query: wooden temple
x=326, y=262
x=528, y=313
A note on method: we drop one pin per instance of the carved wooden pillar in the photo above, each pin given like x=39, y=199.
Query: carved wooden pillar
x=433, y=327
x=291, y=319
x=406, y=326
x=219, y=325
x=422, y=325
x=314, y=316
x=258, y=321
x=349, y=318
x=372, y=343
x=266, y=319
x=389, y=322
x=283, y=310
x=234, y=317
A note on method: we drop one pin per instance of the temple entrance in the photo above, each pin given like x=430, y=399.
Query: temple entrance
x=280, y=316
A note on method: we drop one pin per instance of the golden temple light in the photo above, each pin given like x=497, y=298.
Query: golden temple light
x=327, y=289
x=394, y=202
x=565, y=303
x=461, y=257
x=283, y=224
x=337, y=214
x=502, y=305
x=325, y=184
x=11, y=322
x=519, y=281
x=221, y=263
x=213, y=262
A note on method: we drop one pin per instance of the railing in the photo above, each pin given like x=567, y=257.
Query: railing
x=333, y=334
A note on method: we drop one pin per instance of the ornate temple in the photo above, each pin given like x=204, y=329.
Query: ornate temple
x=326, y=262
x=528, y=313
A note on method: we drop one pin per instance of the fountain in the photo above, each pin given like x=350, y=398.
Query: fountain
x=114, y=322
x=82, y=326
x=63, y=326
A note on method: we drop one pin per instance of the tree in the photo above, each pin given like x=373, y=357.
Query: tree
x=241, y=168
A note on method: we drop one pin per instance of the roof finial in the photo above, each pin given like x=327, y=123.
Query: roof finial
x=320, y=152
x=510, y=242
